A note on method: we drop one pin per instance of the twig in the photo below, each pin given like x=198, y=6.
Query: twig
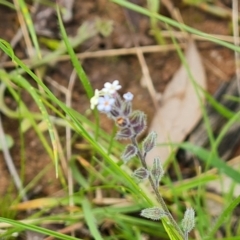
x=236, y=40
x=68, y=137
x=99, y=54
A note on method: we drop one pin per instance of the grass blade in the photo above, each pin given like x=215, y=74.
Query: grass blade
x=34, y=228
x=173, y=23
x=81, y=73
x=90, y=219
x=204, y=155
x=225, y=214
x=29, y=23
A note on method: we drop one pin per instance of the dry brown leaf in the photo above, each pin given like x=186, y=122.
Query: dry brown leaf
x=180, y=109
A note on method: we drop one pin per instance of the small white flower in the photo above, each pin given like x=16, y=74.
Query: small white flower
x=111, y=88
x=105, y=103
x=128, y=96
x=94, y=99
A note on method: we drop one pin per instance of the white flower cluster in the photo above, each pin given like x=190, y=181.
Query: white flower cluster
x=104, y=99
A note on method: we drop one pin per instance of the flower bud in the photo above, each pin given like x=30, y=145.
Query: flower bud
x=188, y=221
x=157, y=171
x=154, y=213
x=129, y=152
x=138, y=121
x=118, y=101
x=115, y=112
x=125, y=133
x=126, y=108
x=141, y=174
x=149, y=142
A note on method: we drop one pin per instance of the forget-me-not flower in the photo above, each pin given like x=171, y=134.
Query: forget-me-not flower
x=111, y=88
x=128, y=96
x=105, y=103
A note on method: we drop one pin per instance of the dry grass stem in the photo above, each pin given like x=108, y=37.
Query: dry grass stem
x=236, y=40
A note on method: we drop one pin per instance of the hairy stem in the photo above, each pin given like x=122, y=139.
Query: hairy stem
x=155, y=189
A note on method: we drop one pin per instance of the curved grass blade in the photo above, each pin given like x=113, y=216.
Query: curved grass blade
x=24, y=110
x=80, y=71
x=91, y=221
x=173, y=23
x=7, y=4
x=225, y=214
x=221, y=109
x=26, y=85
x=29, y=23
x=215, y=161
x=172, y=233
x=34, y=228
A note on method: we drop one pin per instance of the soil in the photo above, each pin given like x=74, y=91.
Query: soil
x=129, y=28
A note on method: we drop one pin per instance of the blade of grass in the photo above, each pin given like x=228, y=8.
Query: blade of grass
x=80, y=71
x=224, y=130
x=90, y=219
x=221, y=109
x=7, y=3
x=25, y=112
x=46, y=117
x=173, y=23
x=34, y=228
x=29, y=23
x=215, y=161
x=78, y=67
x=224, y=215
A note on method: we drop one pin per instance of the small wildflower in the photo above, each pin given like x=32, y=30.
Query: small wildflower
x=111, y=88
x=105, y=103
x=154, y=213
x=94, y=99
x=128, y=96
x=188, y=220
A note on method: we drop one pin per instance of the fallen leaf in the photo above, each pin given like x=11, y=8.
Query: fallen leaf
x=179, y=110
